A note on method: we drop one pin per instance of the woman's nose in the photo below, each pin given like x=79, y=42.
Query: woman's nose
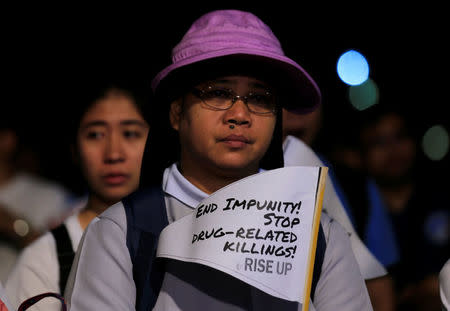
x=238, y=114
x=114, y=152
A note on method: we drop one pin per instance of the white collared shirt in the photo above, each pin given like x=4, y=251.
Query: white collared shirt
x=444, y=285
x=102, y=275
x=39, y=201
x=297, y=153
x=37, y=269
x=3, y=298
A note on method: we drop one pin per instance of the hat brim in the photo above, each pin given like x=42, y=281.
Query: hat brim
x=297, y=91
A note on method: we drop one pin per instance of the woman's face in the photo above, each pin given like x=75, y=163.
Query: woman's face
x=303, y=126
x=111, y=140
x=390, y=151
x=208, y=142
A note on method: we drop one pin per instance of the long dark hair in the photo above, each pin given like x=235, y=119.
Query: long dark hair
x=88, y=92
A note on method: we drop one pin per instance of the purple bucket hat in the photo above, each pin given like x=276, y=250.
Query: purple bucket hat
x=239, y=38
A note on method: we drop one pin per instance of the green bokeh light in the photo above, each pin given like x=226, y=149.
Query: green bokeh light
x=435, y=142
x=364, y=95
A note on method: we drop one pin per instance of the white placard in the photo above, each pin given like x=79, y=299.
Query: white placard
x=258, y=229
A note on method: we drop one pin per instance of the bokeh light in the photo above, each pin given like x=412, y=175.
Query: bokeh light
x=364, y=95
x=21, y=227
x=353, y=68
x=435, y=142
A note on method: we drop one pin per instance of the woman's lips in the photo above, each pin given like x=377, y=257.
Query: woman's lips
x=115, y=179
x=236, y=141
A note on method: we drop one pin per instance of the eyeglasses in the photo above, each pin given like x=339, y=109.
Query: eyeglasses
x=260, y=103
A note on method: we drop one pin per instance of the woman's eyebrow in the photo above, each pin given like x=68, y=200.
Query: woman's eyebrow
x=223, y=81
x=259, y=85
x=122, y=122
x=134, y=122
x=252, y=84
x=93, y=123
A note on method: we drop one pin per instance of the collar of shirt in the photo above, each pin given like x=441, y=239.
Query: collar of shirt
x=297, y=153
x=177, y=186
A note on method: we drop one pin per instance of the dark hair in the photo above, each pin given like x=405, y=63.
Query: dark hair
x=162, y=146
x=8, y=119
x=89, y=91
x=373, y=115
x=273, y=158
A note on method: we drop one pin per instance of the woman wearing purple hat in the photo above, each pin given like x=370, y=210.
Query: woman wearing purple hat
x=220, y=121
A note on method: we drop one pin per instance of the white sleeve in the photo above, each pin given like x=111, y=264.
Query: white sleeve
x=444, y=285
x=369, y=266
x=3, y=299
x=341, y=285
x=101, y=276
x=296, y=152
x=36, y=272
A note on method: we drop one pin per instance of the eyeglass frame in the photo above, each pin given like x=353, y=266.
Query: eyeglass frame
x=198, y=92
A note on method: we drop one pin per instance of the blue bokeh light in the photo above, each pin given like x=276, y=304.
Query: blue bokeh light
x=353, y=68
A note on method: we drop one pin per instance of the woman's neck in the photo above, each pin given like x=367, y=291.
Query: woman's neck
x=94, y=207
x=397, y=197
x=210, y=181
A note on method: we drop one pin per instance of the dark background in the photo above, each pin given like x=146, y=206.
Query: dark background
x=49, y=50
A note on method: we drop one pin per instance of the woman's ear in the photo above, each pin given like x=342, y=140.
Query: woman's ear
x=175, y=113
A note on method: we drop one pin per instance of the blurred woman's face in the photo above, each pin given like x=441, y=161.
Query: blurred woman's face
x=111, y=140
x=232, y=141
x=390, y=151
x=303, y=126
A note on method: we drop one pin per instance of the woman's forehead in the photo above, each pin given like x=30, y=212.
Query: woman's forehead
x=114, y=106
x=238, y=80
